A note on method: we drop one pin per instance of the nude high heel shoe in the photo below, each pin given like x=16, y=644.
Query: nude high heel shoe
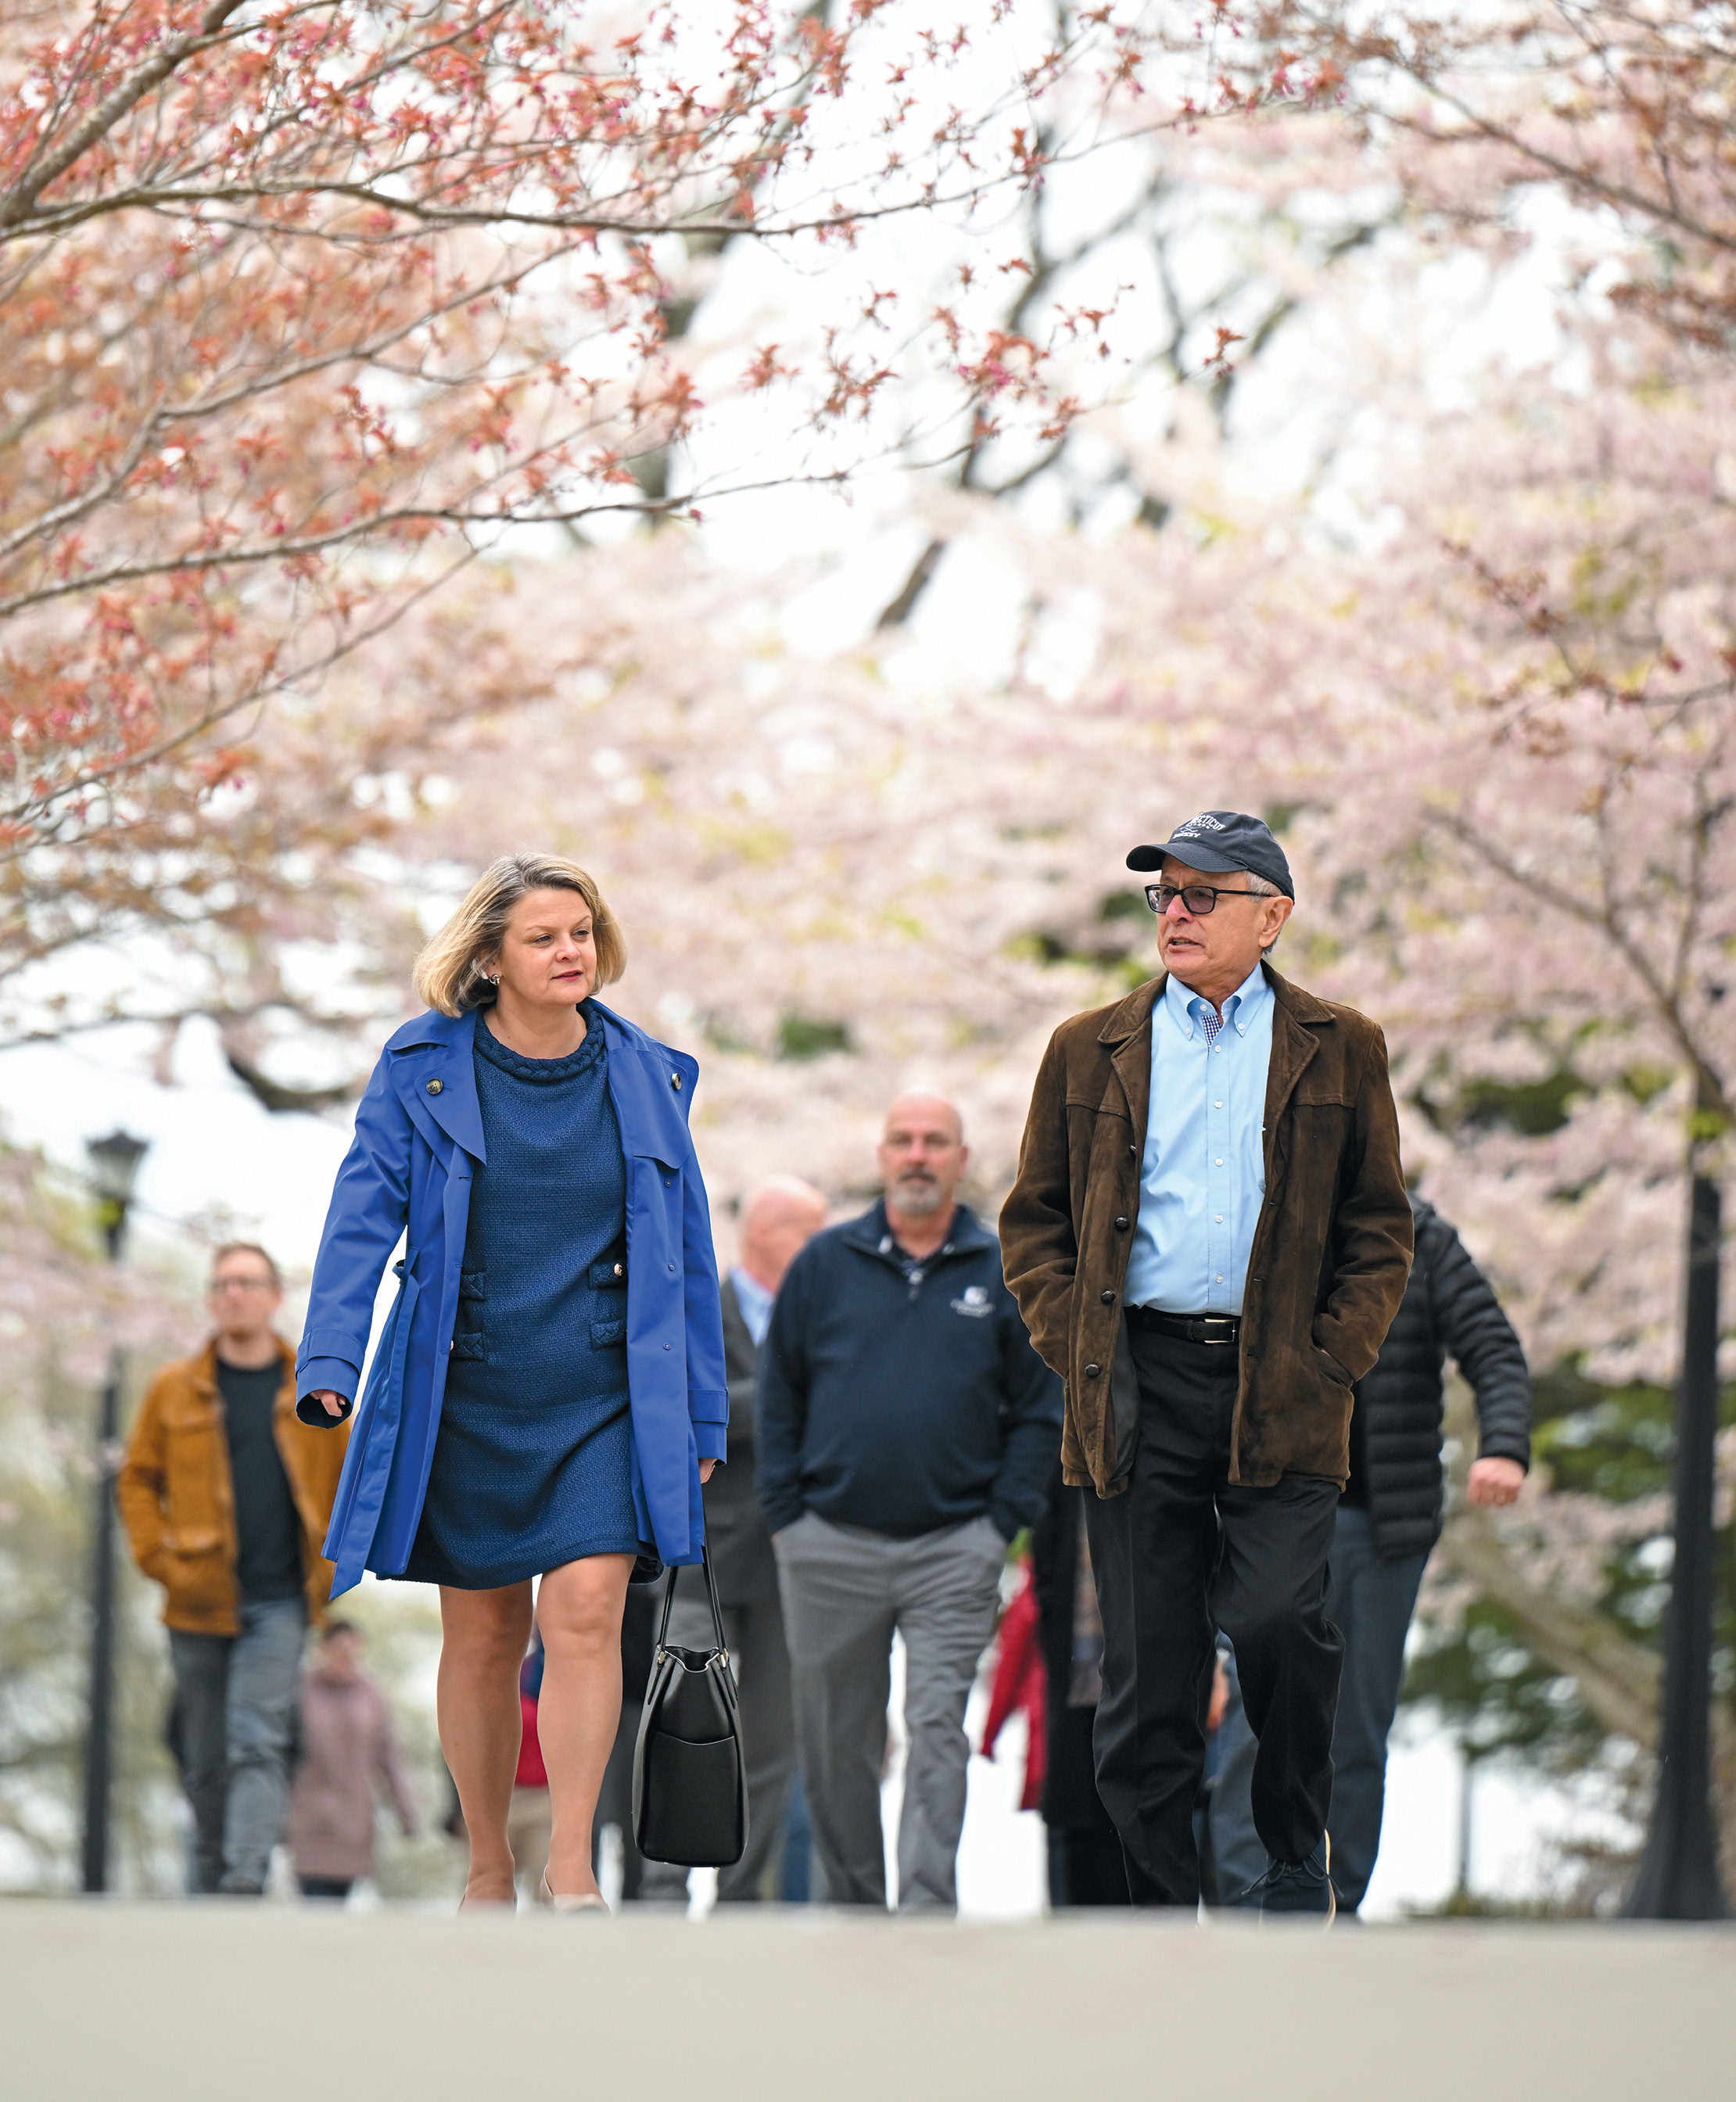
x=566, y=1902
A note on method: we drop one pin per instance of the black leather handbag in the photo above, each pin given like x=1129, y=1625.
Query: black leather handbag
x=689, y=1776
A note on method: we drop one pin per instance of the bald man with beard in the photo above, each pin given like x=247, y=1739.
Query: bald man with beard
x=906, y=1431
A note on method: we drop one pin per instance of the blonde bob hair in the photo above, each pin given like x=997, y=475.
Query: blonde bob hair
x=449, y=972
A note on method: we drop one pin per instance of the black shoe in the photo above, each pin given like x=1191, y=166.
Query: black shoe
x=1297, y=1887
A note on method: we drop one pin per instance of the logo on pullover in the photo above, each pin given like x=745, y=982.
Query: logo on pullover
x=975, y=1303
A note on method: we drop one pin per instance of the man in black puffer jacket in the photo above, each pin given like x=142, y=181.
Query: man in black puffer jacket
x=1388, y=1520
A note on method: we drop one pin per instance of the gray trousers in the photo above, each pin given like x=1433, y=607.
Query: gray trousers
x=754, y=1631
x=236, y=1699
x=1371, y=1602
x=846, y=1591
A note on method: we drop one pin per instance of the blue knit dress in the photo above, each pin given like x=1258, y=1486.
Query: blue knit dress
x=533, y=1460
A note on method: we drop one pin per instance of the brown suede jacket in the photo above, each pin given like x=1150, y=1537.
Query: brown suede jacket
x=177, y=1503
x=1331, y=1247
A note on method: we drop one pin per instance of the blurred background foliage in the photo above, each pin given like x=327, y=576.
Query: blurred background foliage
x=1474, y=1664
x=48, y=1426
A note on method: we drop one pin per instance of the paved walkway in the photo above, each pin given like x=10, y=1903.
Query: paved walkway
x=280, y=2004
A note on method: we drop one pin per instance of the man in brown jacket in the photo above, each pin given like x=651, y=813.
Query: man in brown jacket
x=226, y=1497
x=1207, y=1238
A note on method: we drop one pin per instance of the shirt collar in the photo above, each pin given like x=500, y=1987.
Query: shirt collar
x=1184, y=1006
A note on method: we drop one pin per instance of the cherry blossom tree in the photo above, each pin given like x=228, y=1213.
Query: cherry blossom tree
x=304, y=309
x=1622, y=108
x=1475, y=661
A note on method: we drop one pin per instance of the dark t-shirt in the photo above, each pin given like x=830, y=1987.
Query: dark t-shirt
x=268, y=1527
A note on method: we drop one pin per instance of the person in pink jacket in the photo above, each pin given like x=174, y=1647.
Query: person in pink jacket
x=347, y=1740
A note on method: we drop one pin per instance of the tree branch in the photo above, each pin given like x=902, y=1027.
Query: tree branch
x=174, y=53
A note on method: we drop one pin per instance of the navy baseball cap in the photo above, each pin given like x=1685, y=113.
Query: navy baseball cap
x=1219, y=842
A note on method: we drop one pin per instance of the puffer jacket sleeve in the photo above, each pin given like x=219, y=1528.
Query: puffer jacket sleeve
x=1469, y=1320
x=369, y=1202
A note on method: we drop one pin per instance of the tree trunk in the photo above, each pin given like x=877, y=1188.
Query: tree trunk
x=1618, y=1678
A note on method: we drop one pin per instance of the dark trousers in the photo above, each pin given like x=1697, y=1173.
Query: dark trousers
x=1180, y=1553
x=1371, y=1601
x=1086, y=1868
x=1084, y=1848
x=236, y=1698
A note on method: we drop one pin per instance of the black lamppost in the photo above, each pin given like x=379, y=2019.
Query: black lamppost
x=1678, y=1874
x=114, y=1168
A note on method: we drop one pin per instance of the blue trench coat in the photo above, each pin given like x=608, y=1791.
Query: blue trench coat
x=419, y=1135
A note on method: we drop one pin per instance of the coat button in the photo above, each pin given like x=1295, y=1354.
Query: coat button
x=435, y=1086
x=1121, y=1226
x=674, y=1081
x=1109, y=1299
x=619, y=1270
x=665, y=1346
x=1092, y=1371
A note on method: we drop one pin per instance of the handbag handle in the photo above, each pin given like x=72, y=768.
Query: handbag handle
x=711, y=1585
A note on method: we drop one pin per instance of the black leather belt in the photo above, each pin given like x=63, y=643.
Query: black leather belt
x=1188, y=1328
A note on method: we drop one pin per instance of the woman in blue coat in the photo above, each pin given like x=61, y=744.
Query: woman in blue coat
x=547, y=1394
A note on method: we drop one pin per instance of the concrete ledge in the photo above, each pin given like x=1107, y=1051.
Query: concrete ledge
x=223, y=2003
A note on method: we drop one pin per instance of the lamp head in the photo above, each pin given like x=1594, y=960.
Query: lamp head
x=114, y=1165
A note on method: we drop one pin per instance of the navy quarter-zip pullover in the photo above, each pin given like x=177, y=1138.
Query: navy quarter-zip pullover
x=900, y=1395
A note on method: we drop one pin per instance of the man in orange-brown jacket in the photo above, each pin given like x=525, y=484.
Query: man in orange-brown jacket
x=226, y=1498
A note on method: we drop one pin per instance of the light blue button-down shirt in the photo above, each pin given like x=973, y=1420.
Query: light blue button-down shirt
x=1204, y=1173
x=755, y=1303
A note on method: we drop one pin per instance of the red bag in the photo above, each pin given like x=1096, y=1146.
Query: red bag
x=1021, y=1683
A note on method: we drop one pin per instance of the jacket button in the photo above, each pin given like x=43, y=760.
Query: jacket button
x=435, y=1086
x=1092, y=1371
x=617, y=1270
x=674, y=1081
x=1108, y=1299
x=1121, y=1226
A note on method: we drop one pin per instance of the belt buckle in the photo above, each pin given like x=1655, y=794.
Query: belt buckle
x=1223, y=1323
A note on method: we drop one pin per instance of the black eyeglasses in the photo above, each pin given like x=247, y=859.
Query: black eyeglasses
x=1200, y=898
